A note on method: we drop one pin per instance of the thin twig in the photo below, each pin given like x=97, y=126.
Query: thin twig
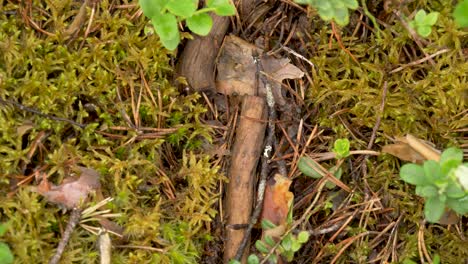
x=420, y=60
x=72, y=222
x=37, y=112
x=265, y=168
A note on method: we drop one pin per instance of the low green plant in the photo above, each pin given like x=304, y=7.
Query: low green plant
x=423, y=22
x=336, y=10
x=442, y=184
x=287, y=247
x=6, y=257
x=166, y=14
x=310, y=168
x=460, y=14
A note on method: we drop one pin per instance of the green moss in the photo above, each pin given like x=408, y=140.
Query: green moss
x=79, y=79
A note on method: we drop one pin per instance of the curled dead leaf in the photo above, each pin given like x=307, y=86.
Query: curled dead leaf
x=72, y=192
x=276, y=204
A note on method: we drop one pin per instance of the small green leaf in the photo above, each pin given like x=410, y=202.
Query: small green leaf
x=200, y=24
x=182, y=8
x=286, y=243
x=424, y=31
x=419, y=17
x=296, y=245
x=303, y=237
x=460, y=13
x=413, y=174
x=454, y=190
x=171, y=44
x=458, y=205
x=233, y=261
x=252, y=259
x=351, y=4
x=273, y=259
x=433, y=209
x=461, y=174
x=426, y=191
x=222, y=7
x=261, y=246
x=337, y=173
x=431, y=18
x=165, y=26
x=225, y=10
x=152, y=8
x=450, y=159
x=269, y=241
x=6, y=257
x=341, y=146
x=432, y=171
x=308, y=167
x=341, y=16
x=267, y=224
x=436, y=259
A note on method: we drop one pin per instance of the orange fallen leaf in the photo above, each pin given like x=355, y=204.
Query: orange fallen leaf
x=276, y=204
x=72, y=192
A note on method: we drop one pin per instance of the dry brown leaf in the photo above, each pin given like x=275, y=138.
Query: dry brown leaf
x=276, y=204
x=412, y=149
x=237, y=70
x=404, y=152
x=72, y=192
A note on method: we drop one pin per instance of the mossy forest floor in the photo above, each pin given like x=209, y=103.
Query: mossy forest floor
x=162, y=151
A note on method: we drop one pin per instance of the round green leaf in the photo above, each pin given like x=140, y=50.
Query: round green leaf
x=165, y=26
x=413, y=174
x=450, y=159
x=432, y=171
x=341, y=146
x=225, y=10
x=303, y=237
x=458, y=205
x=200, y=24
x=182, y=8
x=426, y=191
x=152, y=8
x=308, y=166
x=460, y=13
x=253, y=259
x=424, y=31
x=433, y=209
x=454, y=190
x=6, y=257
x=431, y=18
x=419, y=17
x=171, y=44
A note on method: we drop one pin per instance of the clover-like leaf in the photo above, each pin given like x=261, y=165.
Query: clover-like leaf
x=431, y=18
x=165, y=26
x=413, y=174
x=269, y=241
x=182, y=8
x=433, y=209
x=424, y=31
x=341, y=146
x=458, y=205
x=454, y=190
x=200, y=24
x=267, y=224
x=351, y=4
x=419, y=17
